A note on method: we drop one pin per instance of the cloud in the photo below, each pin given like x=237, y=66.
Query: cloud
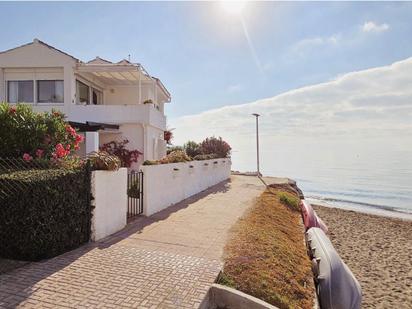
x=315, y=42
x=234, y=88
x=373, y=103
x=371, y=26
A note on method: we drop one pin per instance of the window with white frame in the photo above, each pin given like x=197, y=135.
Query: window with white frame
x=20, y=91
x=50, y=91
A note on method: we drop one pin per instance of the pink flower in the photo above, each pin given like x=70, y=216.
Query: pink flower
x=70, y=130
x=79, y=138
x=12, y=110
x=68, y=147
x=39, y=153
x=27, y=157
x=60, y=151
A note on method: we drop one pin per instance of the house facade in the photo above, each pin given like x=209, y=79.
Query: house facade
x=115, y=101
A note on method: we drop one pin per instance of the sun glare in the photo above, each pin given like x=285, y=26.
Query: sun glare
x=233, y=7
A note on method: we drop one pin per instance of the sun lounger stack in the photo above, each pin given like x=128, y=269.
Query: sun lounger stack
x=336, y=286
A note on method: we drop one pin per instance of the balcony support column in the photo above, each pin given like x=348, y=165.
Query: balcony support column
x=2, y=86
x=92, y=142
x=140, y=88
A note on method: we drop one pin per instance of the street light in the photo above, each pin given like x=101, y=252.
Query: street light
x=257, y=143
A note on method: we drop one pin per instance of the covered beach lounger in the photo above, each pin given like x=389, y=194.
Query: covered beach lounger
x=336, y=286
x=310, y=218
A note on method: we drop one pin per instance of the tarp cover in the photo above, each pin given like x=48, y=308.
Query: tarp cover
x=310, y=218
x=337, y=287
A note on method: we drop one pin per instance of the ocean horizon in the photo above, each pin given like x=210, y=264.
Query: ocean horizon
x=375, y=178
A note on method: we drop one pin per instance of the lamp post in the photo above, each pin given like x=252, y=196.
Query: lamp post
x=257, y=143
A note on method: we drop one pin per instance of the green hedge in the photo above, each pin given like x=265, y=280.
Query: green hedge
x=44, y=212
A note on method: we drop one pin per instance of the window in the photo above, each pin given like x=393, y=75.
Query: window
x=50, y=91
x=83, y=96
x=97, y=97
x=20, y=91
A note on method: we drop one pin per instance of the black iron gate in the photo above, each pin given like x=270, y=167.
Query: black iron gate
x=134, y=194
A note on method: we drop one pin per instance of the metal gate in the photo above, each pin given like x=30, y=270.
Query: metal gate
x=134, y=194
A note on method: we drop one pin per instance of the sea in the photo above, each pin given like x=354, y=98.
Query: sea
x=369, y=176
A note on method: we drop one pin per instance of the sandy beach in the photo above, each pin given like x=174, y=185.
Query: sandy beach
x=378, y=250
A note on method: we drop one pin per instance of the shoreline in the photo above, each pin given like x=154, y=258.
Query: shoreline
x=368, y=210
x=377, y=249
x=364, y=208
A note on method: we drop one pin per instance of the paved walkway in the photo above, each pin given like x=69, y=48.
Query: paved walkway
x=168, y=260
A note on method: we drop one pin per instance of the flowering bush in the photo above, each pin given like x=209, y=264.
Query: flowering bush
x=168, y=136
x=30, y=135
x=126, y=156
x=218, y=146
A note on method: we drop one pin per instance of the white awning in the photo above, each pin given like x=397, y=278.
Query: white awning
x=122, y=73
x=115, y=74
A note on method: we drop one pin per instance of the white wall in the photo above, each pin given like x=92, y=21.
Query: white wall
x=109, y=190
x=164, y=186
x=156, y=147
x=121, y=95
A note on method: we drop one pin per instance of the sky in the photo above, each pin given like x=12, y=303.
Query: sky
x=337, y=75
x=208, y=58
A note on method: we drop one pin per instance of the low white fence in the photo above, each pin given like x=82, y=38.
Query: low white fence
x=168, y=184
x=109, y=190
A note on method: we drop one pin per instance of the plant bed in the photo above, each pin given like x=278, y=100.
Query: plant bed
x=266, y=255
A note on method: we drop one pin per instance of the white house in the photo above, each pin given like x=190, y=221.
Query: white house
x=111, y=100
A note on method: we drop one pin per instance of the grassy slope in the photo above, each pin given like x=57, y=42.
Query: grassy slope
x=266, y=256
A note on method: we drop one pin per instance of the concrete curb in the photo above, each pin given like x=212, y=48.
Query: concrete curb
x=220, y=296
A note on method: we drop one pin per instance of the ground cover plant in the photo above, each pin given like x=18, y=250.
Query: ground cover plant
x=266, y=255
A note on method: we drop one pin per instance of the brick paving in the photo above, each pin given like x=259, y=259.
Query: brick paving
x=168, y=260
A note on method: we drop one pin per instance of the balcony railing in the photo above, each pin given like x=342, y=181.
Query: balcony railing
x=117, y=114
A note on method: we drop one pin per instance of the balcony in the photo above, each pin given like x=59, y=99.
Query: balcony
x=118, y=114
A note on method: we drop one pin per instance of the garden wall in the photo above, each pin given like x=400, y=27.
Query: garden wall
x=168, y=184
x=109, y=189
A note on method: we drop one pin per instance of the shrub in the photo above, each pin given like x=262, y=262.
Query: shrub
x=174, y=148
x=103, y=161
x=29, y=135
x=218, y=146
x=202, y=157
x=173, y=157
x=289, y=200
x=192, y=149
x=151, y=162
x=176, y=157
x=47, y=212
x=126, y=156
